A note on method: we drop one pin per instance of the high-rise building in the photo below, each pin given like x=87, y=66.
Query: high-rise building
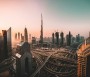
x=23, y=60
x=57, y=38
x=5, y=44
x=22, y=38
x=83, y=53
x=21, y=35
x=73, y=40
x=82, y=39
x=68, y=39
x=53, y=39
x=41, y=35
x=25, y=35
x=62, y=38
x=5, y=48
x=78, y=38
x=33, y=40
x=15, y=35
x=18, y=35
x=29, y=39
x=9, y=41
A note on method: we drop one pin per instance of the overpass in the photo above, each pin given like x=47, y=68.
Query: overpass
x=43, y=64
x=54, y=60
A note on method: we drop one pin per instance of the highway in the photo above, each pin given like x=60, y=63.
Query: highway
x=54, y=60
x=35, y=73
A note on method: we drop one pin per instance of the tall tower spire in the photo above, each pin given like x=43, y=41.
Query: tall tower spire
x=41, y=36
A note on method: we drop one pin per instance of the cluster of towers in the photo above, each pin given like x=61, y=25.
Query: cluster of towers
x=19, y=36
x=23, y=55
x=60, y=40
x=56, y=40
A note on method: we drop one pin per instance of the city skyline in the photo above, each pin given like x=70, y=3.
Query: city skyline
x=57, y=15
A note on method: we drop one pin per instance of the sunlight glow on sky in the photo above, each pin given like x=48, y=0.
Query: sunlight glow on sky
x=61, y=15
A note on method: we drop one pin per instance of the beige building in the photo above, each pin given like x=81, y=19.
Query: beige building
x=84, y=59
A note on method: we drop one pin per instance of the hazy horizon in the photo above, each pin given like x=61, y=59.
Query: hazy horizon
x=58, y=15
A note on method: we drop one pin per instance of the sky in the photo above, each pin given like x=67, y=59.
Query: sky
x=58, y=15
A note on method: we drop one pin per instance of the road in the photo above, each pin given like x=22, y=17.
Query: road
x=35, y=73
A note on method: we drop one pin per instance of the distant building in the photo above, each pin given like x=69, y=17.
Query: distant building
x=68, y=39
x=53, y=38
x=41, y=35
x=25, y=35
x=73, y=40
x=57, y=38
x=30, y=39
x=22, y=38
x=47, y=39
x=21, y=35
x=15, y=36
x=62, y=39
x=33, y=40
x=82, y=39
x=78, y=38
x=18, y=35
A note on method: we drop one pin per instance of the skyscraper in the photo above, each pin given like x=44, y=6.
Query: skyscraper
x=78, y=38
x=53, y=42
x=68, y=38
x=41, y=36
x=23, y=60
x=62, y=38
x=57, y=38
x=5, y=50
x=18, y=35
x=83, y=53
x=15, y=35
x=5, y=44
x=9, y=41
x=25, y=35
x=73, y=40
x=33, y=40
x=22, y=38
